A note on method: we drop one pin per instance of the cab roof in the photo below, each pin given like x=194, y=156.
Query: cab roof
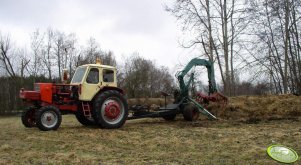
x=100, y=66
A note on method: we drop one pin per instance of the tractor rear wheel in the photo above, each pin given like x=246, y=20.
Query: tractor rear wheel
x=28, y=117
x=48, y=118
x=191, y=112
x=110, y=109
x=83, y=119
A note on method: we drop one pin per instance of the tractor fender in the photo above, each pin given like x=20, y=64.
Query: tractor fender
x=106, y=88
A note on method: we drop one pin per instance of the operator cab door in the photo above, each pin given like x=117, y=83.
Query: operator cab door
x=108, y=77
x=91, y=85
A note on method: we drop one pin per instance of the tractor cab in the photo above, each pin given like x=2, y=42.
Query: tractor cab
x=91, y=78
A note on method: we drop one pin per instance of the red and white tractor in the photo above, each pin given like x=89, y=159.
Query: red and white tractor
x=92, y=95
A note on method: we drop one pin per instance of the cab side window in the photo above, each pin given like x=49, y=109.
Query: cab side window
x=108, y=75
x=93, y=76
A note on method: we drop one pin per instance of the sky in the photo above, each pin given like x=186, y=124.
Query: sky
x=122, y=26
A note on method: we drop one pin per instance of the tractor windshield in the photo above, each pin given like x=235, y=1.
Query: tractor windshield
x=78, y=75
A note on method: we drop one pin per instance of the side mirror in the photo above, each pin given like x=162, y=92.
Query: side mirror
x=65, y=76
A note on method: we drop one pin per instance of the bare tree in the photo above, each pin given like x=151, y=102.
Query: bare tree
x=142, y=78
x=59, y=39
x=22, y=55
x=209, y=22
x=37, y=40
x=6, y=55
x=277, y=47
x=48, y=52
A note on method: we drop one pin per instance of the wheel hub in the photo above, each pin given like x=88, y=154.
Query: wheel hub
x=112, y=110
x=49, y=119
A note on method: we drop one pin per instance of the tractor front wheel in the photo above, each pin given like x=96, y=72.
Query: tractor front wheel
x=28, y=117
x=110, y=109
x=48, y=118
x=191, y=112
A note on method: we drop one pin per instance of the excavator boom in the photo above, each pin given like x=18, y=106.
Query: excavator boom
x=184, y=87
x=201, y=99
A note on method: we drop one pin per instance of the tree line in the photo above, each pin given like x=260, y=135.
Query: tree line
x=52, y=51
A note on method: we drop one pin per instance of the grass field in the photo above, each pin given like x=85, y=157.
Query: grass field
x=147, y=141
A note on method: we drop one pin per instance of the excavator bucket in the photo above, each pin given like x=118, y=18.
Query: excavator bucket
x=214, y=97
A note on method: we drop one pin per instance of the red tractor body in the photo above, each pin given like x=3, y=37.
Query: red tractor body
x=58, y=95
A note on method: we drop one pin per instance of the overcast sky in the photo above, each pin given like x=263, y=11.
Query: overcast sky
x=123, y=26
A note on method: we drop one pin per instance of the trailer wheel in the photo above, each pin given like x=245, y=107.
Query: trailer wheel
x=28, y=117
x=83, y=119
x=48, y=118
x=169, y=117
x=191, y=112
x=110, y=109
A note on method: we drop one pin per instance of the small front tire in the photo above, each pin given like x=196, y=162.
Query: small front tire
x=48, y=118
x=28, y=117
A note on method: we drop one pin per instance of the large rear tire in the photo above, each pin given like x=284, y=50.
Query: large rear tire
x=28, y=117
x=191, y=112
x=48, y=118
x=110, y=109
x=83, y=119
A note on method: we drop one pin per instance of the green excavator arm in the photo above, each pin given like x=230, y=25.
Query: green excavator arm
x=184, y=86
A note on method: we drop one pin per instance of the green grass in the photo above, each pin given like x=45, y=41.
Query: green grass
x=147, y=141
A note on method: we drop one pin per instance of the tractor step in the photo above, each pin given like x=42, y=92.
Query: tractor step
x=86, y=109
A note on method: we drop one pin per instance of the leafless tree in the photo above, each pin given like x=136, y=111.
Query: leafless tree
x=215, y=27
x=144, y=79
x=276, y=47
x=22, y=55
x=6, y=55
x=37, y=39
x=48, y=52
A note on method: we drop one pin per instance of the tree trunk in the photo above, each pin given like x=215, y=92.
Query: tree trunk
x=285, y=80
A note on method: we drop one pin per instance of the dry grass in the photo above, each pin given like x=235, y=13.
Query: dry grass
x=246, y=108
x=147, y=141
x=267, y=107
x=155, y=141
